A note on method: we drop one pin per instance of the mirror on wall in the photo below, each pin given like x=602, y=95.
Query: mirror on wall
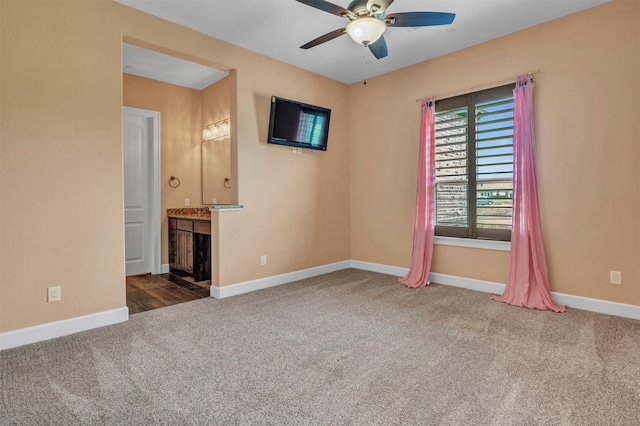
x=217, y=182
x=216, y=171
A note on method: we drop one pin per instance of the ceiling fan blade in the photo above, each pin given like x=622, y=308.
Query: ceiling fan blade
x=327, y=7
x=379, y=48
x=419, y=19
x=324, y=38
x=378, y=6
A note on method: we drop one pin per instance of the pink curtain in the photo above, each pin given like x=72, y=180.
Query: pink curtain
x=424, y=224
x=528, y=284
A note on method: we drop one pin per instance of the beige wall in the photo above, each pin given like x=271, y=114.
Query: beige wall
x=296, y=206
x=61, y=218
x=180, y=134
x=588, y=151
x=61, y=211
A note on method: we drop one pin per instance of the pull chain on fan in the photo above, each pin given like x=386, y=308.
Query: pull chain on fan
x=364, y=59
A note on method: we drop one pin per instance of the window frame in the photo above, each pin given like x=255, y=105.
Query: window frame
x=470, y=100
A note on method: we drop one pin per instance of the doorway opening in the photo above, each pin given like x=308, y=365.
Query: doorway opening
x=188, y=96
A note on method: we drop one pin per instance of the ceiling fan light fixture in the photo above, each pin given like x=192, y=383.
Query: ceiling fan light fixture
x=366, y=30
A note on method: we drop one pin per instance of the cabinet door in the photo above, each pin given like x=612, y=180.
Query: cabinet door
x=184, y=251
x=189, y=249
x=181, y=254
x=201, y=257
x=172, y=248
x=182, y=244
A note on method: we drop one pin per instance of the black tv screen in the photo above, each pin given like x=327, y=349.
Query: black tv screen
x=297, y=124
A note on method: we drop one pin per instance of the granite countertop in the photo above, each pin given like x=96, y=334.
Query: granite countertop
x=200, y=213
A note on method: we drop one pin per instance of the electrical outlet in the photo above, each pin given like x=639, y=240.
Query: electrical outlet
x=615, y=277
x=187, y=201
x=300, y=151
x=54, y=294
x=214, y=201
x=263, y=259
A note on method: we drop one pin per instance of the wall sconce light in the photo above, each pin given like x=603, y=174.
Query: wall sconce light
x=218, y=130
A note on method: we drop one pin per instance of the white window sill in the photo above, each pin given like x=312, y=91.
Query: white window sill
x=473, y=243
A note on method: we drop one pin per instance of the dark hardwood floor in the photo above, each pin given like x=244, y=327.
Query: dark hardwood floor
x=147, y=292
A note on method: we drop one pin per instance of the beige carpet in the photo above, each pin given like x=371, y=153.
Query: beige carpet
x=350, y=347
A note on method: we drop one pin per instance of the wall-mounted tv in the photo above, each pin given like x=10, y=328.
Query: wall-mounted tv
x=296, y=124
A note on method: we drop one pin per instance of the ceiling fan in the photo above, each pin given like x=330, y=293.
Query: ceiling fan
x=369, y=21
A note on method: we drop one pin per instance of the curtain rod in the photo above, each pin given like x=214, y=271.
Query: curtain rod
x=489, y=85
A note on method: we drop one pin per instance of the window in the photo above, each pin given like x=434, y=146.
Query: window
x=474, y=164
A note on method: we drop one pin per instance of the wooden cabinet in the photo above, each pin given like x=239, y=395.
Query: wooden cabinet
x=190, y=247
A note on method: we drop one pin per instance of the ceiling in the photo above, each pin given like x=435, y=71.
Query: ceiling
x=158, y=66
x=277, y=28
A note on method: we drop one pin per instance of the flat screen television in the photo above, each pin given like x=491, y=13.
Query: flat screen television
x=296, y=124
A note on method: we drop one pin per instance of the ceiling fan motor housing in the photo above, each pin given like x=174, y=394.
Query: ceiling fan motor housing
x=359, y=8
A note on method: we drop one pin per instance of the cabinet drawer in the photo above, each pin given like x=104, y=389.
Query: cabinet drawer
x=172, y=223
x=202, y=227
x=184, y=225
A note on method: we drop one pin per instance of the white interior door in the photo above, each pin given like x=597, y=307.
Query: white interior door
x=141, y=230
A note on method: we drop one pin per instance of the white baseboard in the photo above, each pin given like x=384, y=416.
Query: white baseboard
x=469, y=283
x=576, y=302
x=377, y=267
x=164, y=268
x=37, y=333
x=24, y=336
x=597, y=305
x=262, y=283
